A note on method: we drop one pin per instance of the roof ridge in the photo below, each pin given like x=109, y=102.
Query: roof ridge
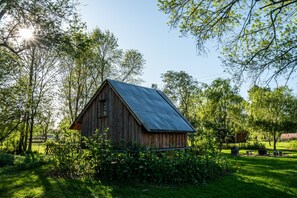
x=130, y=84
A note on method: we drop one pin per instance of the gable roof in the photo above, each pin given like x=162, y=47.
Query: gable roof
x=150, y=107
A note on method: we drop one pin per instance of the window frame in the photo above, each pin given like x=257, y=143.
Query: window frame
x=102, y=108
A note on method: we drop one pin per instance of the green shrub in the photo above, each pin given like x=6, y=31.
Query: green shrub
x=174, y=167
x=204, y=144
x=147, y=166
x=99, y=154
x=293, y=144
x=69, y=160
x=253, y=146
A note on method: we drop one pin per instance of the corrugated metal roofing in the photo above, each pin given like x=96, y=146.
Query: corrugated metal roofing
x=152, y=108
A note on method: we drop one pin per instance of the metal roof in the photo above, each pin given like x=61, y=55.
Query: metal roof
x=152, y=108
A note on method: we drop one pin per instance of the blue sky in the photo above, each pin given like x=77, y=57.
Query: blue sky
x=138, y=24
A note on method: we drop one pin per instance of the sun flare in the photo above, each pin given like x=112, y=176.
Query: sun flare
x=26, y=33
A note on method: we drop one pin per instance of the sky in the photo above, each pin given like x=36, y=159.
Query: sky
x=138, y=24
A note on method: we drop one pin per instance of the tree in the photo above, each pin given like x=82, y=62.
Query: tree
x=38, y=77
x=78, y=76
x=11, y=111
x=23, y=90
x=258, y=37
x=107, y=54
x=11, y=96
x=215, y=110
x=180, y=87
x=272, y=111
x=222, y=111
x=28, y=62
x=131, y=67
x=88, y=61
x=46, y=19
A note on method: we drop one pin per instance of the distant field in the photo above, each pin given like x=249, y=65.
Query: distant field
x=255, y=177
x=38, y=147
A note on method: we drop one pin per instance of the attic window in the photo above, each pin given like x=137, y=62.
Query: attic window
x=102, y=108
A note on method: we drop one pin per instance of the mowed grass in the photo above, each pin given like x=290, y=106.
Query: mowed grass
x=255, y=176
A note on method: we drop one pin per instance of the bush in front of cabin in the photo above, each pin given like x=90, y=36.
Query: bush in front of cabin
x=173, y=167
x=69, y=161
x=99, y=161
x=151, y=166
x=204, y=144
x=99, y=154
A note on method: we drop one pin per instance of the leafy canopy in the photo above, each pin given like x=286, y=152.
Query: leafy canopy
x=46, y=19
x=272, y=111
x=258, y=37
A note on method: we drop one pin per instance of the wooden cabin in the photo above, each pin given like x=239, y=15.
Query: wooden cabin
x=134, y=115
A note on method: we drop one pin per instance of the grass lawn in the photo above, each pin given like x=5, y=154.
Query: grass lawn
x=255, y=177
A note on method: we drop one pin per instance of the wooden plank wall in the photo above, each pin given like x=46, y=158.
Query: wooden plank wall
x=164, y=140
x=123, y=127
x=91, y=122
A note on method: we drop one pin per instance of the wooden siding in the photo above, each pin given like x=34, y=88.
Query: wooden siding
x=164, y=140
x=123, y=127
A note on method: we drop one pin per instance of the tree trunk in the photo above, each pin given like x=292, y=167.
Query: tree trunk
x=31, y=133
x=29, y=109
x=21, y=142
x=274, y=141
x=45, y=132
x=26, y=132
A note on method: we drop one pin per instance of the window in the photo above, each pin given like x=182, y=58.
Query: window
x=102, y=108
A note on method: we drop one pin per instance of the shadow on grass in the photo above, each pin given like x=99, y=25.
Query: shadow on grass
x=255, y=177
x=229, y=186
x=35, y=183
x=275, y=173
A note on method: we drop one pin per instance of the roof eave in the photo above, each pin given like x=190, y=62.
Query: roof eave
x=168, y=131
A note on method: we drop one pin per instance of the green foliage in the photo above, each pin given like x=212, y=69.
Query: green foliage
x=88, y=61
x=258, y=37
x=255, y=177
x=205, y=144
x=272, y=112
x=30, y=160
x=60, y=59
x=69, y=160
x=45, y=17
x=215, y=110
x=100, y=156
x=181, y=87
x=174, y=167
x=253, y=145
x=145, y=166
x=223, y=111
x=293, y=144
